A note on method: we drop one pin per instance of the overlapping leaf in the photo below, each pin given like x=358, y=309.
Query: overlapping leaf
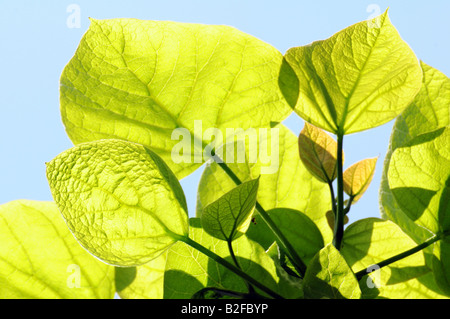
x=369, y=241
x=289, y=185
x=318, y=152
x=40, y=258
x=329, y=276
x=188, y=270
x=429, y=111
x=357, y=177
x=229, y=217
x=119, y=199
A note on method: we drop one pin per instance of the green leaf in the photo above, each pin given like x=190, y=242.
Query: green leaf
x=290, y=185
x=229, y=217
x=360, y=78
x=329, y=276
x=369, y=241
x=441, y=265
x=318, y=152
x=119, y=199
x=149, y=81
x=428, y=112
x=298, y=229
x=419, y=175
x=357, y=177
x=188, y=270
x=40, y=259
x=142, y=282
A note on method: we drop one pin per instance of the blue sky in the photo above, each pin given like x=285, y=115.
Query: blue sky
x=36, y=43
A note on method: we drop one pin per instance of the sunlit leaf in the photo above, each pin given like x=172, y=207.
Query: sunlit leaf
x=119, y=199
x=357, y=177
x=428, y=112
x=360, y=78
x=40, y=258
x=188, y=270
x=149, y=82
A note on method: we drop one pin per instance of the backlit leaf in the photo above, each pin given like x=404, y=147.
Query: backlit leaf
x=329, y=276
x=428, y=112
x=284, y=181
x=40, y=258
x=360, y=78
x=357, y=177
x=149, y=81
x=119, y=199
x=318, y=152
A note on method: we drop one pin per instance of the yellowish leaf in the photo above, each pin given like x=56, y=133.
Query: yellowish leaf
x=318, y=152
x=357, y=177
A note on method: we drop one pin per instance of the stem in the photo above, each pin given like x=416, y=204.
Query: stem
x=402, y=255
x=233, y=256
x=282, y=241
x=333, y=199
x=339, y=223
x=250, y=288
x=230, y=266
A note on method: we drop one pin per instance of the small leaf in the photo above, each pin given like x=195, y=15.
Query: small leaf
x=188, y=271
x=360, y=78
x=329, y=276
x=357, y=177
x=290, y=185
x=119, y=199
x=331, y=219
x=229, y=217
x=318, y=152
x=40, y=258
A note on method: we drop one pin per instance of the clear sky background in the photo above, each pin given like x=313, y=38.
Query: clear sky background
x=36, y=43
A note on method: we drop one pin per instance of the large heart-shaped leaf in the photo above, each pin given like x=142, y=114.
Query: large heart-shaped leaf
x=40, y=258
x=149, y=81
x=360, y=78
x=119, y=199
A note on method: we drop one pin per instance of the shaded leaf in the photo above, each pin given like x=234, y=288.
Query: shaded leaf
x=229, y=217
x=329, y=276
x=318, y=152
